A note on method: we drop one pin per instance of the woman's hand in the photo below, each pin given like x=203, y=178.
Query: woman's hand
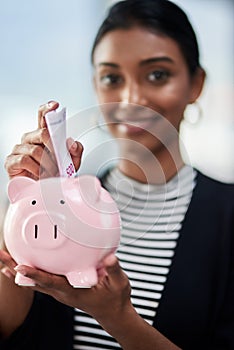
x=109, y=297
x=108, y=302
x=34, y=157
x=7, y=264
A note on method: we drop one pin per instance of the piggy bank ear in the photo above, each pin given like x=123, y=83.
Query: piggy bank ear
x=89, y=187
x=16, y=186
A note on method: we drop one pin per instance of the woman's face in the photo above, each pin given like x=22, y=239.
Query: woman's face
x=137, y=67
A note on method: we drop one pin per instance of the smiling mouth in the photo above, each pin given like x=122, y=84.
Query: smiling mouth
x=131, y=118
x=136, y=126
x=136, y=122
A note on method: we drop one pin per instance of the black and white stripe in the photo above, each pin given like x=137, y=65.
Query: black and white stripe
x=152, y=216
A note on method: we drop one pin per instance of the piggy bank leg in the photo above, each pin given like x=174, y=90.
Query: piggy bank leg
x=83, y=279
x=23, y=281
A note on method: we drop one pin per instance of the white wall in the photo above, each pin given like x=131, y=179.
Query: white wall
x=211, y=142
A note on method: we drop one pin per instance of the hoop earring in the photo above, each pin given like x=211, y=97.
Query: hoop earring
x=193, y=114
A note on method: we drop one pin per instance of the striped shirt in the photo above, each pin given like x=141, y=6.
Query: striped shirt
x=152, y=217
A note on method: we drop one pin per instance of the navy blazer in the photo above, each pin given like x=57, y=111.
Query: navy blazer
x=197, y=306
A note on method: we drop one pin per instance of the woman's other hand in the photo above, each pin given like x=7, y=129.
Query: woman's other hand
x=34, y=156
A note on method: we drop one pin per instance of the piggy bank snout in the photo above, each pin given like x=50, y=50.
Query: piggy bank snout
x=39, y=230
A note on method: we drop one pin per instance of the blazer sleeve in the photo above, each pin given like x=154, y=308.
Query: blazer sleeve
x=224, y=330
x=47, y=326
x=223, y=334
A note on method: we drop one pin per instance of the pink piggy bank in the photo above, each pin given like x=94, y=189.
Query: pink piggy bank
x=61, y=225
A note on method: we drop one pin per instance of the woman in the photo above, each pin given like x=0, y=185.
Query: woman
x=178, y=225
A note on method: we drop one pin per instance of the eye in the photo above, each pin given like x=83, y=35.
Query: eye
x=34, y=202
x=62, y=201
x=158, y=76
x=110, y=79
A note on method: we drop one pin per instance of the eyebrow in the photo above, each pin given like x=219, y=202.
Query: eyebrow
x=156, y=59
x=142, y=63
x=108, y=64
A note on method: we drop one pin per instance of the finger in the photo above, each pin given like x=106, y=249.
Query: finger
x=43, y=109
x=8, y=273
x=40, y=155
x=112, y=267
x=7, y=260
x=115, y=275
x=116, y=279
x=45, y=280
x=101, y=272
x=12, y=168
x=31, y=157
x=22, y=165
x=76, y=150
x=39, y=136
x=33, y=163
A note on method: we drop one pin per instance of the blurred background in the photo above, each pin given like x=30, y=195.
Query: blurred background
x=45, y=54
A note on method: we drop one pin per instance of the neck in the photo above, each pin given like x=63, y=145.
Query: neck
x=153, y=168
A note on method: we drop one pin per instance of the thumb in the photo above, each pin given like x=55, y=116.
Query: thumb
x=43, y=109
x=76, y=149
x=112, y=266
x=116, y=277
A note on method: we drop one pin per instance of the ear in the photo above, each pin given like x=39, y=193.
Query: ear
x=16, y=187
x=89, y=187
x=197, y=84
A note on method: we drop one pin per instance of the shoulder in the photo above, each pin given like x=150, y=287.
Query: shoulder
x=205, y=180
x=214, y=189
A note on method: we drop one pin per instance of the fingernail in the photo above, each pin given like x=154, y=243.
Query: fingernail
x=110, y=259
x=74, y=146
x=50, y=104
x=6, y=272
x=20, y=269
x=71, y=144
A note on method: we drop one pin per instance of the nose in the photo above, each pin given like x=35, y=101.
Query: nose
x=133, y=93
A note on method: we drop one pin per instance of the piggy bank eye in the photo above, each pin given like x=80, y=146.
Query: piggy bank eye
x=34, y=202
x=62, y=201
